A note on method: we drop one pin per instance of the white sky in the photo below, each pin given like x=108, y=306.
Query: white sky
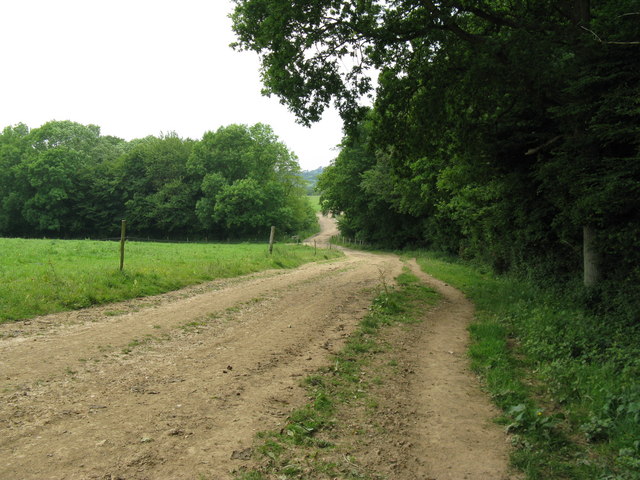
x=138, y=68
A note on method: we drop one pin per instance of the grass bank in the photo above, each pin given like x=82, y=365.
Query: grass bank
x=313, y=443
x=46, y=276
x=566, y=378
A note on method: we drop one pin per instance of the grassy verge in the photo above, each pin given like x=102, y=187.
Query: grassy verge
x=311, y=444
x=313, y=230
x=46, y=276
x=566, y=379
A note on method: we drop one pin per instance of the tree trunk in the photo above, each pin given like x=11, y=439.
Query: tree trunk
x=582, y=11
x=591, y=257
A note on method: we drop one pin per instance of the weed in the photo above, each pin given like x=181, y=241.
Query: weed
x=136, y=343
x=251, y=476
x=193, y=327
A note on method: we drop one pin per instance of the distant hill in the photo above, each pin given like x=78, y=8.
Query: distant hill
x=311, y=176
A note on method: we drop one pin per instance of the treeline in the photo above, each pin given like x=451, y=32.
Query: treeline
x=502, y=131
x=67, y=180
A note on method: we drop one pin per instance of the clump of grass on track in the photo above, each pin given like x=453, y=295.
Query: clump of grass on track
x=47, y=276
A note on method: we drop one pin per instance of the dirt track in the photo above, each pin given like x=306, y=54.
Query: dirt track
x=176, y=386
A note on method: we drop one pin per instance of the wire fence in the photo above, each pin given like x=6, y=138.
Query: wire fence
x=349, y=242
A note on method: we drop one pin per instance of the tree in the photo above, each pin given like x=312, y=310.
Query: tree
x=58, y=168
x=58, y=180
x=516, y=123
x=158, y=191
x=65, y=179
x=240, y=207
x=356, y=188
x=14, y=187
x=249, y=181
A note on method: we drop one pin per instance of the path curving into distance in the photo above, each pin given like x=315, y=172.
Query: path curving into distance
x=176, y=386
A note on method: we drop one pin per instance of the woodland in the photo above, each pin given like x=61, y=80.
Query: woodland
x=66, y=180
x=504, y=132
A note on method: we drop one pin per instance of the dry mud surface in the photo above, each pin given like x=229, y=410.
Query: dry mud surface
x=176, y=386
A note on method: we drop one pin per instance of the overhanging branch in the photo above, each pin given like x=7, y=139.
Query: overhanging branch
x=605, y=42
x=533, y=151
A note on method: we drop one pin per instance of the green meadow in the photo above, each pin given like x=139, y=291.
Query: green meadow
x=46, y=276
x=314, y=200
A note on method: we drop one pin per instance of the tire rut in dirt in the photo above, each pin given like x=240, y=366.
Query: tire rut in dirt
x=172, y=409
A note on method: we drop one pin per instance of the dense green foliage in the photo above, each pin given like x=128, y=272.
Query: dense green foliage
x=499, y=130
x=45, y=276
x=559, y=372
x=66, y=180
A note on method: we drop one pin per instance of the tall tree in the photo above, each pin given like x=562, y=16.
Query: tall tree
x=65, y=179
x=158, y=192
x=58, y=168
x=14, y=187
x=249, y=181
x=517, y=122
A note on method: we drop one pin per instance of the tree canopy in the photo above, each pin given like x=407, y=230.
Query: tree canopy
x=499, y=130
x=65, y=179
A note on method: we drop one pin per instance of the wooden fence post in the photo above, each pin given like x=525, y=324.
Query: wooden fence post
x=123, y=233
x=271, y=237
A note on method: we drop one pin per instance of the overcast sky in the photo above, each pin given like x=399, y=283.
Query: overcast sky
x=138, y=68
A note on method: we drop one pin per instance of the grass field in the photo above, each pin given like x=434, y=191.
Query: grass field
x=46, y=276
x=314, y=200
